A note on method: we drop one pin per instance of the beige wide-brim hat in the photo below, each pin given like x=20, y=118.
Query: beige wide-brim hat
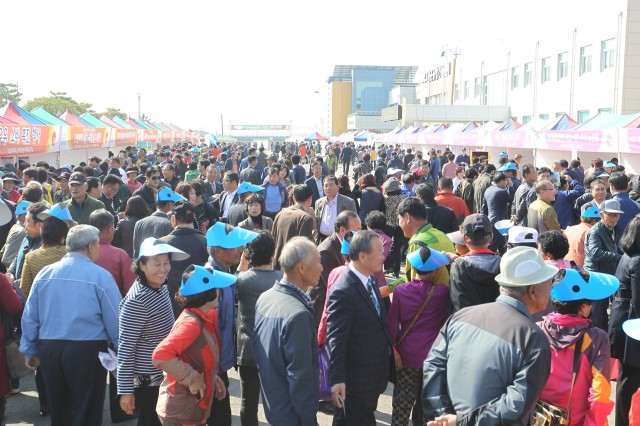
x=524, y=266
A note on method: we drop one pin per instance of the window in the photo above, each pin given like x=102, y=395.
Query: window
x=607, y=55
x=528, y=74
x=544, y=116
x=583, y=116
x=515, y=77
x=604, y=110
x=476, y=90
x=456, y=92
x=546, y=69
x=466, y=89
x=585, y=59
x=526, y=119
x=563, y=65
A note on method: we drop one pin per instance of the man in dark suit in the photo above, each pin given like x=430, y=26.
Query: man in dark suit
x=250, y=173
x=331, y=258
x=211, y=184
x=230, y=195
x=345, y=159
x=315, y=182
x=358, y=336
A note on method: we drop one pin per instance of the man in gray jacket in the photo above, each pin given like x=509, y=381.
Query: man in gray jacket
x=285, y=342
x=490, y=362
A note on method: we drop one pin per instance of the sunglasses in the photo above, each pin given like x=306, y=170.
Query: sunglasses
x=155, y=178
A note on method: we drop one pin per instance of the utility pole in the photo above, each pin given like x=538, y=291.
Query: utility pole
x=139, y=115
x=221, y=125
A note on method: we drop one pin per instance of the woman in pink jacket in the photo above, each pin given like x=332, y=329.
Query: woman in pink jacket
x=568, y=329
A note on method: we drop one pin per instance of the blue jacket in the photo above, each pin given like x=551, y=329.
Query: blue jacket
x=564, y=203
x=73, y=299
x=281, y=189
x=286, y=349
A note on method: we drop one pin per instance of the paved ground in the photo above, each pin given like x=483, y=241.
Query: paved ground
x=22, y=409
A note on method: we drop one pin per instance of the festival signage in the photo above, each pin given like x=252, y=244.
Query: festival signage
x=579, y=140
x=84, y=137
x=16, y=139
x=149, y=136
x=433, y=138
x=178, y=136
x=465, y=139
x=631, y=143
x=507, y=139
x=165, y=136
x=124, y=137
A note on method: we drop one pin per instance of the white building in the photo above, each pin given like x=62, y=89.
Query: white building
x=590, y=66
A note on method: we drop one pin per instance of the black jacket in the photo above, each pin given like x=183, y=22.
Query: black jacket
x=472, y=280
x=626, y=305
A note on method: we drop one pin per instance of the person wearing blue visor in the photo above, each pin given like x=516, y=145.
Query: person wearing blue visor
x=16, y=235
x=225, y=245
x=418, y=310
x=577, y=346
x=190, y=354
x=146, y=318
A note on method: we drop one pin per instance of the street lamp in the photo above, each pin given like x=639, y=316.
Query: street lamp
x=139, y=115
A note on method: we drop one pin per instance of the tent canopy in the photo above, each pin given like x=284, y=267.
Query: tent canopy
x=16, y=114
x=562, y=122
x=110, y=122
x=605, y=120
x=94, y=121
x=73, y=120
x=315, y=137
x=45, y=116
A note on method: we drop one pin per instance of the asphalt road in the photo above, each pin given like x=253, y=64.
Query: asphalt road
x=23, y=408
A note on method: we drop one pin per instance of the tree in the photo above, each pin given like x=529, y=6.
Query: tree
x=58, y=103
x=9, y=93
x=114, y=112
x=144, y=118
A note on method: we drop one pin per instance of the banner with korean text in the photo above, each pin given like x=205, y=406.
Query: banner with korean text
x=17, y=139
x=124, y=137
x=148, y=136
x=83, y=137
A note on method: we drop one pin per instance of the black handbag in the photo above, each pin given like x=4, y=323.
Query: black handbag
x=547, y=414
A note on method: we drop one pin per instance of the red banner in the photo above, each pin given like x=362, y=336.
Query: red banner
x=150, y=136
x=16, y=140
x=125, y=137
x=85, y=137
x=178, y=136
x=165, y=136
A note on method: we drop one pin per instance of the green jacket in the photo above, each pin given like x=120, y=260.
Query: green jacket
x=428, y=236
x=82, y=215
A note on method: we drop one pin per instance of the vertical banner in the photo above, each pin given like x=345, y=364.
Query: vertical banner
x=148, y=136
x=165, y=136
x=15, y=139
x=124, y=137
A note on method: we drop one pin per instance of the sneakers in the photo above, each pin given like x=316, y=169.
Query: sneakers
x=15, y=386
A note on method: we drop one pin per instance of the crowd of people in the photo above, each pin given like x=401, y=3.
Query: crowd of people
x=481, y=289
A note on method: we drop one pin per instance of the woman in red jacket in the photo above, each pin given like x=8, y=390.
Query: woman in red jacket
x=568, y=328
x=11, y=305
x=190, y=354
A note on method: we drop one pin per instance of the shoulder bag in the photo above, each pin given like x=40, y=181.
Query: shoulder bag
x=547, y=414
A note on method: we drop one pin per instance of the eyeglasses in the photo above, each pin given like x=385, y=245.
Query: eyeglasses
x=155, y=178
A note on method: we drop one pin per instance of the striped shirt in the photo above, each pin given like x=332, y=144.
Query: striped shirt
x=146, y=318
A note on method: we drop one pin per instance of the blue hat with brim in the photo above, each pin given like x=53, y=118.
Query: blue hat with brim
x=503, y=226
x=21, y=207
x=154, y=247
x=573, y=286
x=591, y=212
x=632, y=328
x=346, y=243
x=59, y=210
x=248, y=187
x=504, y=154
x=228, y=237
x=426, y=259
x=168, y=195
x=609, y=165
x=204, y=279
x=195, y=150
x=510, y=167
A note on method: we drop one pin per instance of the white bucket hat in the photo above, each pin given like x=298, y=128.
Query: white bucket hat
x=524, y=266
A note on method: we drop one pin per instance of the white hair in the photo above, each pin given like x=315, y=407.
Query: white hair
x=80, y=236
x=298, y=249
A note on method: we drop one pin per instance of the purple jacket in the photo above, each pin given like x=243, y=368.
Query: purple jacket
x=405, y=304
